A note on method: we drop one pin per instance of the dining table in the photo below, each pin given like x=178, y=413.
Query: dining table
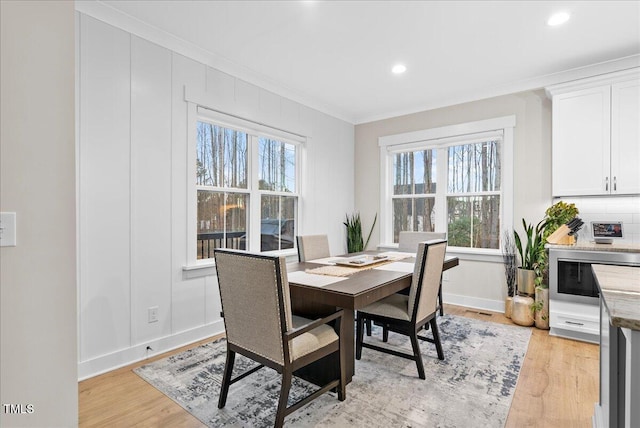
x=322, y=286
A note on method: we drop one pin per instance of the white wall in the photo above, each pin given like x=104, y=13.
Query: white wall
x=473, y=283
x=38, y=363
x=134, y=190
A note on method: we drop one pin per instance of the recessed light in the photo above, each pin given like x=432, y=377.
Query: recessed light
x=558, y=18
x=399, y=69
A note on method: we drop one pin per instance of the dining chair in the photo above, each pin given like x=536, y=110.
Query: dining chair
x=409, y=314
x=311, y=247
x=283, y=341
x=408, y=241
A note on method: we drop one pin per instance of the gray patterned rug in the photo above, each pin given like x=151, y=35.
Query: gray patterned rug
x=472, y=387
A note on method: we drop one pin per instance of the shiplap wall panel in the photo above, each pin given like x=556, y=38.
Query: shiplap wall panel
x=212, y=297
x=150, y=188
x=290, y=116
x=104, y=184
x=221, y=88
x=188, y=295
x=270, y=111
x=247, y=100
x=139, y=191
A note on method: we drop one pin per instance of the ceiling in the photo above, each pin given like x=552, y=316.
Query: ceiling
x=336, y=56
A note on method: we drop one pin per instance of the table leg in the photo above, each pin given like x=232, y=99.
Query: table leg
x=348, y=341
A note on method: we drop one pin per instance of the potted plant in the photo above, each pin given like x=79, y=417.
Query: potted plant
x=510, y=270
x=355, y=243
x=530, y=255
x=555, y=216
x=523, y=311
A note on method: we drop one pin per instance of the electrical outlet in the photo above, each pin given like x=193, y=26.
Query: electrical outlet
x=445, y=276
x=7, y=229
x=152, y=313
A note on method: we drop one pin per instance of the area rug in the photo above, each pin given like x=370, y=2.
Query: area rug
x=472, y=387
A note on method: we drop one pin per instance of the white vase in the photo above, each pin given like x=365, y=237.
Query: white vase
x=521, y=313
x=508, y=306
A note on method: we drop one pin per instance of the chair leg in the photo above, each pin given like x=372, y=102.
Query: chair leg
x=284, y=396
x=385, y=333
x=436, y=338
x=342, y=388
x=440, y=298
x=359, y=328
x=368, y=324
x=416, y=353
x=226, y=378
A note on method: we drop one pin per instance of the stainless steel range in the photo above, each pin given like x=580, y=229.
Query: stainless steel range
x=573, y=293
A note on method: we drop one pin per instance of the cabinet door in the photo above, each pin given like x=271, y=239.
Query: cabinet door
x=581, y=142
x=625, y=137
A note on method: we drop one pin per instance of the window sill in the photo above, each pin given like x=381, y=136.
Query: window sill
x=489, y=256
x=208, y=267
x=473, y=254
x=199, y=269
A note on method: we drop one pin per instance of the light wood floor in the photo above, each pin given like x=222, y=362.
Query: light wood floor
x=558, y=386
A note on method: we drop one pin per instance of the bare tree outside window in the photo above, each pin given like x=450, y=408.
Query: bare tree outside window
x=224, y=190
x=277, y=178
x=473, y=195
x=221, y=167
x=414, y=189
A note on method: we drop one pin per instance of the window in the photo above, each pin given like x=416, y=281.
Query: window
x=278, y=203
x=473, y=194
x=414, y=189
x=455, y=179
x=235, y=167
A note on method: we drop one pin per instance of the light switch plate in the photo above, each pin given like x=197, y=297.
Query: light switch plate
x=7, y=229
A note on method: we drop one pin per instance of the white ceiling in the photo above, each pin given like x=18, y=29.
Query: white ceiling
x=336, y=56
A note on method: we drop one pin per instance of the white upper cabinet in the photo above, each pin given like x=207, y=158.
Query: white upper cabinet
x=625, y=137
x=596, y=136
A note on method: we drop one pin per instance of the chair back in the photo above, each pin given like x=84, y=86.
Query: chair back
x=311, y=247
x=408, y=241
x=254, y=292
x=423, y=295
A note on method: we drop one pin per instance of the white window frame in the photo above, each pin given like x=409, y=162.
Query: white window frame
x=441, y=138
x=255, y=131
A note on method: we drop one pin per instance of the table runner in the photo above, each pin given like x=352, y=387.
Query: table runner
x=346, y=270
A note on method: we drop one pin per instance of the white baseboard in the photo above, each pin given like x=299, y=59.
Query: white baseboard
x=124, y=357
x=473, y=302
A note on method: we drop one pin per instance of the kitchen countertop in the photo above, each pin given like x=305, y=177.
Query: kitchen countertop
x=620, y=289
x=616, y=247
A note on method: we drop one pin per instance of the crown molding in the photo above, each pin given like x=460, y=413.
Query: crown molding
x=622, y=65
x=105, y=13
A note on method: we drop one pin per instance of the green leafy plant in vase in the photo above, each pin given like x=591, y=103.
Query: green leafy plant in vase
x=355, y=241
x=530, y=255
x=555, y=216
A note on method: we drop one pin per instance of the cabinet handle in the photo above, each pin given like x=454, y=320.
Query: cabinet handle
x=615, y=183
x=606, y=184
x=573, y=323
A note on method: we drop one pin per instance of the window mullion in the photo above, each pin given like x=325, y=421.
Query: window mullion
x=254, y=196
x=441, y=190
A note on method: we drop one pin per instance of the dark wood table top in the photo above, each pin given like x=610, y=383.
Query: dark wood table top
x=361, y=288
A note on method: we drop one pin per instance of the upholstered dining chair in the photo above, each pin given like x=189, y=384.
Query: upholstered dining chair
x=283, y=342
x=408, y=314
x=408, y=241
x=311, y=247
